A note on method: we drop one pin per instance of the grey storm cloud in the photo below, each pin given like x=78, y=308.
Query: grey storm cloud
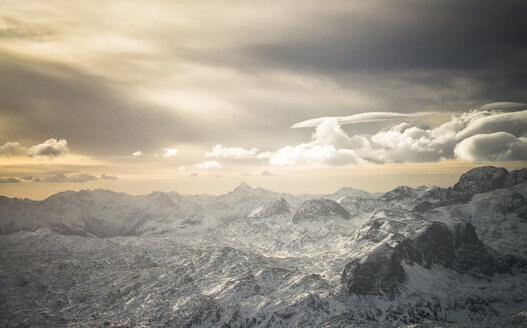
x=402, y=35
x=266, y=69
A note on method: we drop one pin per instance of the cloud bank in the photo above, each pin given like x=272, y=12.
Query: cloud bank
x=477, y=135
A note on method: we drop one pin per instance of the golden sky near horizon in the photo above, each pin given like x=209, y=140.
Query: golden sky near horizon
x=296, y=96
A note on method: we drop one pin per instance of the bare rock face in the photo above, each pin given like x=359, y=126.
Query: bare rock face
x=393, y=238
x=516, y=177
x=481, y=179
x=380, y=273
x=321, y=210
x=478, y=180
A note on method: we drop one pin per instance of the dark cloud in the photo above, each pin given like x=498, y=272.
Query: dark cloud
x=274, y=69
x=9, y=180
x=403, y=35
x=61, y=178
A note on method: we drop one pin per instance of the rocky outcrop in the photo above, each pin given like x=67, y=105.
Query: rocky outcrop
x=478, y=180
x=394, y=237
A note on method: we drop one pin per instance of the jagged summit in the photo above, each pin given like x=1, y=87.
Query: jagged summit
x=272, y=208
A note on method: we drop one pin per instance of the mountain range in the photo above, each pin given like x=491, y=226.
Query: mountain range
x=424, y=256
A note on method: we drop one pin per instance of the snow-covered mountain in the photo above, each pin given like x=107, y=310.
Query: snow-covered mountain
x=425, y=257
x=273, y=208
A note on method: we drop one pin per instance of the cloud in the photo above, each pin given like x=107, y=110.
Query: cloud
x=62, y=178
x=12, y=149
x=50, y=148
x=208, y=165
x=330, y=145
x=108, y=177
x=474, y=135
x=360, y=118
x=231, y=152
x=498, y=146
x=137, y=153
x=170, y=152
x=9, y=180
x=27, y=177
x=504, y=106
x=266, y=173
x=491, y=122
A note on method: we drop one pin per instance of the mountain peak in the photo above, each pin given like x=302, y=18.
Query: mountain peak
x=243, y=187
x=481, y=179
x=276, y=207
x=320, y=210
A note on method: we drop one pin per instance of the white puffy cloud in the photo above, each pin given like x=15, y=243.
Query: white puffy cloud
x=137, y=153
x=329, y=145
x=498, y=146
x=231, y=152
x=514, y=123
x=208, y=165
x=12, y=149
x=50, y=148
x=475, y=135
x=170, y=152
x=482, y=134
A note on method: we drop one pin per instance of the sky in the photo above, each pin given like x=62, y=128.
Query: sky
x=295, y=96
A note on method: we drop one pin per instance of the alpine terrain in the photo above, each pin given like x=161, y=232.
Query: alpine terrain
x=415, y=257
